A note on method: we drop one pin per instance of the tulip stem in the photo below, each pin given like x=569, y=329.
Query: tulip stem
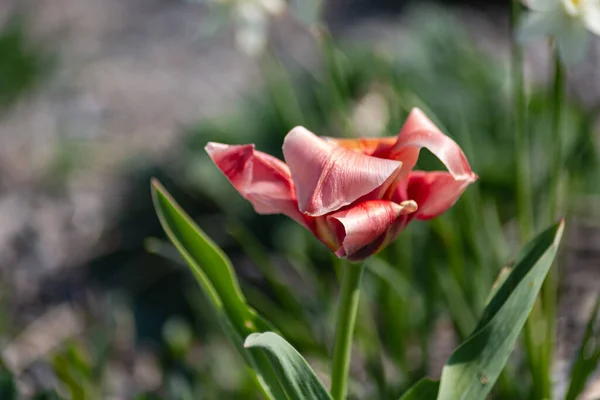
x=344, y=329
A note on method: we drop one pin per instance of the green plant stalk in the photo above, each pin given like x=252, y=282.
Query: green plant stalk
x=523, y=189
x=531, y=334
x=550, y=287
x=344, y=329
x=557, y=112
x=523, y=179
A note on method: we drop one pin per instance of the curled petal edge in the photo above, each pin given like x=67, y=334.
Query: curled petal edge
x=419, y=132
x=362, y=230
x=434, y=192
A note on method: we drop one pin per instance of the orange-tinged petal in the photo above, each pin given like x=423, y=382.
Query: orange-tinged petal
x=362, y=229
x=376, y=147
x=434, y=192
x=328, y=177
x=261, y=179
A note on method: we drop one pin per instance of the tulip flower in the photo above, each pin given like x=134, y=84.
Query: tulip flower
x=566, y=21
x=354, y=195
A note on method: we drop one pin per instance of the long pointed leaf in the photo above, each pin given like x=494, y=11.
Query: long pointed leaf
x=475, y=366
x=425, y=389
x=206, y=259
x=216, y=277
x=299, y=380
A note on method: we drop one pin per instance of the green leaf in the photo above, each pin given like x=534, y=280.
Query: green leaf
x=502, y=277
x=474, y=367
x=216, y=277
x=588, y=356
x=425, y=389
x=299, y=380
x=207, y=261
x=8, y=388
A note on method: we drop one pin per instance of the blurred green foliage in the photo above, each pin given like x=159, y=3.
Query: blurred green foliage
x=434, y=280
x=8, y=388
x=22, y=62
x=447, y=265
x=588, y=356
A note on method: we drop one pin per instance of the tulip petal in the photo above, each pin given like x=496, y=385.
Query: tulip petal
x=376, y=147
x=434, y=192
x=419, y=132
x=384, y=147
x=261, y=179
x=328, y=177
x=362, y=229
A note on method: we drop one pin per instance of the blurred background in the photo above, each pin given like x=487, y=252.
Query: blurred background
x=98, y=96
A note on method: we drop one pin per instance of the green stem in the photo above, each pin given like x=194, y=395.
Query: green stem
x=550, y=286
x=522, y=151
x=344, y=330
x=524, y=193
x=557, y=111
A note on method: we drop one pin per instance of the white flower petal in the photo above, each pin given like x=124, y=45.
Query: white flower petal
x=591, y=16
x=274, y=7
x=572, y=40
x=250, y=12
x=543, y=5
x=251, y=39
x=572, y=8
x=252, y=28
x=539, y=24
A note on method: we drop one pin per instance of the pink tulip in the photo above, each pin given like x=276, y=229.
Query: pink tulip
x=355, y=195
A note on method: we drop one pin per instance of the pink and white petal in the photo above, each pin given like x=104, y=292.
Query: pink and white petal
x=365, y=223
x=384, y=147
x=434, y=192
x=408, y=155
x=328, y=177
x=419, y=132
x=261, y=179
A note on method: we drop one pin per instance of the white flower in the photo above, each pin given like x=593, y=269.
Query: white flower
x=252, y=17
x=567, y=21
x=275, y=7
x=252, y=27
